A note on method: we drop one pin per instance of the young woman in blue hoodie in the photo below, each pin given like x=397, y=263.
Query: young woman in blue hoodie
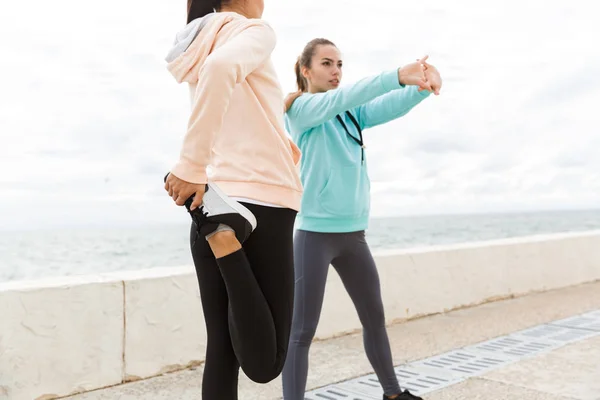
x=327, y=123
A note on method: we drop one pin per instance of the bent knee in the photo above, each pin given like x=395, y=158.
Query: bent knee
x=262, y=374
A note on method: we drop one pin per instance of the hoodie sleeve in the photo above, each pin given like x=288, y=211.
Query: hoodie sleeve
x=390, y=106
x=228, y=65
x=310, y=110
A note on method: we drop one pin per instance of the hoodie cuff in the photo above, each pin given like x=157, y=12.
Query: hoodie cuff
x=390, y=81
x=189, y=172
x=423, y=93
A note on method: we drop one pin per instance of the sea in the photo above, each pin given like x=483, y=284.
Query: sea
x=31, y=255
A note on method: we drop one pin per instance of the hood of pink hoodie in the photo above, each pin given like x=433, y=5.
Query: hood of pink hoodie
x=193, y=44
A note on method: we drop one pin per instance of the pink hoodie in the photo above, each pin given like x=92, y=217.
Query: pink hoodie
x=237, y=121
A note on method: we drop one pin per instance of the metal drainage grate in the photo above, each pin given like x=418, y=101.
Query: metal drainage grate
x=418, y=381
x=555, y=333
x=514, y=347
x=589, y=321
x=334, y=392
x=464, y=363
x=367, y=386
x=421, y=379
x=447, y=369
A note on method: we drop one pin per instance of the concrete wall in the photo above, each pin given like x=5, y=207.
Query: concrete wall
x=60, y=337
x=65, y=336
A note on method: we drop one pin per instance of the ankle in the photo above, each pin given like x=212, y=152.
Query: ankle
x=224, y=243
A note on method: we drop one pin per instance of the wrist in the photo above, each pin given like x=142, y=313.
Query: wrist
x=402, y=77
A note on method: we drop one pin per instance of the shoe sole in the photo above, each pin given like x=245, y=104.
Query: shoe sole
x=239, y=208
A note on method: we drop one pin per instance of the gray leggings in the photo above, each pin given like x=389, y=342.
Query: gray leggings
x=350, y=256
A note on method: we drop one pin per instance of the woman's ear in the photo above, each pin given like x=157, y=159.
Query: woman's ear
x=305, y=73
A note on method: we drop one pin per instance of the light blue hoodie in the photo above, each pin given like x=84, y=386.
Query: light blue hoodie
x=334, y=174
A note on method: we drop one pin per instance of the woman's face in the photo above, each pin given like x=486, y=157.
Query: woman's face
x=325, y=72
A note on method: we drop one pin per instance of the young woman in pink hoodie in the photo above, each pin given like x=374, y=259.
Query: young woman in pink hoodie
x=243, y=213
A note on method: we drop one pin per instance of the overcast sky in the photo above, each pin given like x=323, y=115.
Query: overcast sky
x=90, y=119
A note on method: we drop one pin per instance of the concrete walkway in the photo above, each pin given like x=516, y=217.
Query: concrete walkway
x=569, y=372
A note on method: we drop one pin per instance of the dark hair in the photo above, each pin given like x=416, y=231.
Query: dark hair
x=200, y=8
x=305, y=60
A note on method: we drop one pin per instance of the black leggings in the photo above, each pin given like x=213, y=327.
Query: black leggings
x=247, y=298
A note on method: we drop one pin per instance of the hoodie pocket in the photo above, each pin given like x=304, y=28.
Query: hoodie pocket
x=346, y=193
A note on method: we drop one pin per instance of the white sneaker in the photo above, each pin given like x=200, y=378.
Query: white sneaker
x=219, y=209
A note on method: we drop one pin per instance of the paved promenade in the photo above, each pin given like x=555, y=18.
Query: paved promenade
x=543, y=346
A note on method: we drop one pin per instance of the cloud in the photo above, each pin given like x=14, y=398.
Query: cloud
x=440, y=145
x=90, y=119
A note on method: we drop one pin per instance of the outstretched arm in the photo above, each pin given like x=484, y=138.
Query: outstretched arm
x=390, y=106
x=399, y=102
x=310, y=110
x=314, y=109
